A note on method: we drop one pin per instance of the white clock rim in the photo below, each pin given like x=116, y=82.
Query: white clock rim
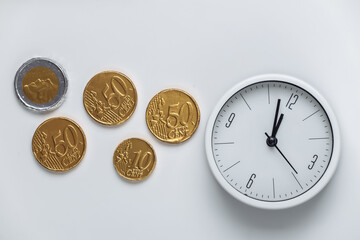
x=306, y=195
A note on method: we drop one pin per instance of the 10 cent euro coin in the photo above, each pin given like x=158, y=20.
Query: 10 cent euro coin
x=134, y=159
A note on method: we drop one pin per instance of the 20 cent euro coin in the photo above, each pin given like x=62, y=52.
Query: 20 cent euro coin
x=59, y=144
x=172, y=116
x=134, y=159
x=110, y=98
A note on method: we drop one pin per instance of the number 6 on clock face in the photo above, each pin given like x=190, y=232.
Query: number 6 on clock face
x=272, y=141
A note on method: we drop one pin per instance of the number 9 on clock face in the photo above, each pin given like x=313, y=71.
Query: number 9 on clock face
x=272, y=141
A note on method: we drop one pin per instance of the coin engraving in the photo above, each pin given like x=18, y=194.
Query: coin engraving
x=59, y=144
x=134, y=159
x=110, y=98
x=172, y=116
x=40, y=84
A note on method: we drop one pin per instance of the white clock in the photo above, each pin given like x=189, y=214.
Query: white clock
x=272, y=141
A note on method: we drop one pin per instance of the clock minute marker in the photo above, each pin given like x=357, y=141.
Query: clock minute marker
x=311, y=115
x=221, y=143
x=245, y=101
x=231, y=166
x=273, y=182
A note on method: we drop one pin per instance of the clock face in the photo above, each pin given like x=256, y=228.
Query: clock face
x=271, y=142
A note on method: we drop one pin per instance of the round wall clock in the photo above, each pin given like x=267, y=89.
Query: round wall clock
x=272, y=141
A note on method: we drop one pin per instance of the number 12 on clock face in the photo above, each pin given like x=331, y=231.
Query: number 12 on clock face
x=272, y=141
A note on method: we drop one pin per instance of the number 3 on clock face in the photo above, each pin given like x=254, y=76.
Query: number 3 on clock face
x=272, y=141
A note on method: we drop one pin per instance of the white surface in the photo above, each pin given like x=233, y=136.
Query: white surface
x=203, y=47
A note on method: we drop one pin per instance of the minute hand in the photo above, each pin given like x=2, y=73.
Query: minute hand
x=273, y=132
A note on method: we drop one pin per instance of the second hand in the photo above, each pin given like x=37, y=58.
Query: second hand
x=282, y=154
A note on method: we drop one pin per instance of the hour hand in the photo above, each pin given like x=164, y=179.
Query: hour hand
x=278, y=125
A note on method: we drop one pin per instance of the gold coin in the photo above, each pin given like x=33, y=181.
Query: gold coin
x=172, y=116
x=59, y=144
x=134, y=159
x=40, y=85
x=110, y=98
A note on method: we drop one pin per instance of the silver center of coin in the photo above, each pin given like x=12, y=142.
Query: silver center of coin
x=51, y=66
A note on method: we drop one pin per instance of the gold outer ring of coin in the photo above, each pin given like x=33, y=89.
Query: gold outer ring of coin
x=161, y=124
x=54, y=154
x=131, y=155
x=110, y=98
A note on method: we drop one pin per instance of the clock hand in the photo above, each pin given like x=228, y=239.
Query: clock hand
x=278, y=124
x=272, y=141
x=273, y=133
x=275, y=145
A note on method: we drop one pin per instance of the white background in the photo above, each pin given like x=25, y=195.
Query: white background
x=204, y=48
